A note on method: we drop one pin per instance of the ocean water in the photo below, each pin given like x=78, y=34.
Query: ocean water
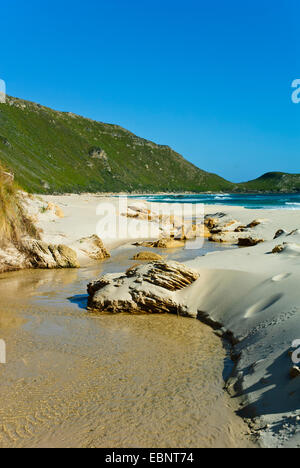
x=251, y=201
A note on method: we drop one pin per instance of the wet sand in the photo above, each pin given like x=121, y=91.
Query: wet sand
x=73, y=379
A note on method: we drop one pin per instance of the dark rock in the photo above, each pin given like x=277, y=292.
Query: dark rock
x=294, y=372
x=279, y=233
x=249, y=242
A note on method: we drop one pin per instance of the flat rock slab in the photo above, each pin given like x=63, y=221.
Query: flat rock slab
x=149, y=288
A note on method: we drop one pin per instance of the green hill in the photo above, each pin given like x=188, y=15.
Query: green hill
x=55, y=152
x=273, y=182
x=51, y=151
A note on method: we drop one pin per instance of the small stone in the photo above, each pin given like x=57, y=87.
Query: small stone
x=240, y=229
x=254, y=223
x=164, y=243
x=279, y=233
x=278, y=249
x=50, y=206
x=249, y=242
x=147, y=256
x=59, y=212
x=294, y=372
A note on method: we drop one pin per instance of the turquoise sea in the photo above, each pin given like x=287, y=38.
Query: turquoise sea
x=252, y=201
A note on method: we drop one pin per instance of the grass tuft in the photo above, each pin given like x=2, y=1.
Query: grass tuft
x=14, y=224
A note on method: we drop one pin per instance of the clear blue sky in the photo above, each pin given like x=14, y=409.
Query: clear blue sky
x=212, y=79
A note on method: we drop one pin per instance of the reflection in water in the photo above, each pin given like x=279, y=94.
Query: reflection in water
x=80, y=380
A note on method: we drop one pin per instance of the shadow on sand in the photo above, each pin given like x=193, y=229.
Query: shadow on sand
x=80, y=299
x=276, y=393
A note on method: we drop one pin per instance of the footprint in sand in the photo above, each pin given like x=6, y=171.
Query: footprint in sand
x=281, y=277
x=262, y=305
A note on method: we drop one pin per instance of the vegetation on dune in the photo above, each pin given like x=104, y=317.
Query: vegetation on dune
x=13, y=222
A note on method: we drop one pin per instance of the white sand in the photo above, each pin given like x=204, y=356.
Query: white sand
x=85, y=215
x=253, y=293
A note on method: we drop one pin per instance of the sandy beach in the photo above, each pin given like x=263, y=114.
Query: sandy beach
x=77, y=380
x=149, y=227
x=249, y=294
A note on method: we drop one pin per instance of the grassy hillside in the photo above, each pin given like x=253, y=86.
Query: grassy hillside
x=51, y=151
x=273, y=182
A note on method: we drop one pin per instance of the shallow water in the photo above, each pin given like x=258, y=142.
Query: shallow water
x=74, y=379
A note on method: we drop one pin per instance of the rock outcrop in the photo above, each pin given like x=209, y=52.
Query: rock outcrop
x=232, y=231
x=223, y=237
x=254, y=223
x=291, y=249
x=241, y=228
x=224, y=232
x=92, y=247
x=163, y=243
x=56, y=209
x=191, y=232
x=149, y=288
x=278, y=249
x=33, y=253
x=280, y=233
x=41, y=255
x=170, y=226
x=12, y=259
x=249, y=241
x=211, y=223
x=168, y=244
x=148, y=256
x=98, y=153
